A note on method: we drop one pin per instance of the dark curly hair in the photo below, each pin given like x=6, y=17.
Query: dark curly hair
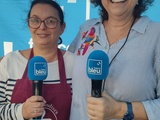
x=141, y=7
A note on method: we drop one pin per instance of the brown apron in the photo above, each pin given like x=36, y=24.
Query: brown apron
x=57, y=96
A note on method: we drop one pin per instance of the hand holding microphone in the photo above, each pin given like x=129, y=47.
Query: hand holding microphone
x=103, y=108
x=97, y=70
x=37, y=72
x=32, y=108
x=100, y=105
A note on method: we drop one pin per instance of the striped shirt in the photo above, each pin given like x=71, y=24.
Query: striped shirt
x=12, y=67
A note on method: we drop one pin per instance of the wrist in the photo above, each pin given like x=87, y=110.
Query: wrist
x=121, y=110
x=129, y=114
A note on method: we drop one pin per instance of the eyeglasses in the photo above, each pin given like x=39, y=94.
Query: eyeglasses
x=50, y=22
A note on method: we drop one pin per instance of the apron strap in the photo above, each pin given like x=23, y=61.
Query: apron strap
x=62, y=73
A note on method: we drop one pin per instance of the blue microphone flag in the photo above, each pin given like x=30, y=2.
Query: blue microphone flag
x=97, y=65
x=37, y=68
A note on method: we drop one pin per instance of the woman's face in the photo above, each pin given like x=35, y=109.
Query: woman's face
x=44, y=35
x=119, y=8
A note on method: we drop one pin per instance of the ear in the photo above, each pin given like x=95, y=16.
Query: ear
x=63, y=26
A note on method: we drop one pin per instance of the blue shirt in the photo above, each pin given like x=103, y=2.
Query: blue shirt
x=134, y=75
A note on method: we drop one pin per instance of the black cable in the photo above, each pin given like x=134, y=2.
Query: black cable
x=120, y=49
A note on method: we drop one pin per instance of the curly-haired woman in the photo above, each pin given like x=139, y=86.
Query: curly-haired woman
x=132, y=88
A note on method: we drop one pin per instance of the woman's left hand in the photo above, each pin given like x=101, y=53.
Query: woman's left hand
x=103, y=108
x=33, y=107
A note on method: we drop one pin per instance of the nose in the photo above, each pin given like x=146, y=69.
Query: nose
x=42, y=25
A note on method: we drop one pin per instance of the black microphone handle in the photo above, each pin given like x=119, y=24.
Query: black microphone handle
x=37, y=90
x=37, y=87
x=96, y=88
x=37, y=118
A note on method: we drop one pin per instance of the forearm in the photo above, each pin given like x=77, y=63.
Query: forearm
x=138, y=111
x=10, y=112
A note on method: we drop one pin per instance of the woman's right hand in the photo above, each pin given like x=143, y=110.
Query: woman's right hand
x=105, y=108
x=33, y=107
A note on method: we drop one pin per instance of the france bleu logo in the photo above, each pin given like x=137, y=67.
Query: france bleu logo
x=40, y=69
x=95, y=67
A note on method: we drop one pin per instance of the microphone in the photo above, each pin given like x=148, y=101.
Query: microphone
x=37, y=72
x=97, y=70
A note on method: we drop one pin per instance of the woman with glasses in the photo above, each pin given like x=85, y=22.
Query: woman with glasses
x=46, y=24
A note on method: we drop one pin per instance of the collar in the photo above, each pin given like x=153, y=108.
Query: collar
x=143, y=22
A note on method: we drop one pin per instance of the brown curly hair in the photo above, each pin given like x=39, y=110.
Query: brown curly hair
x=141, y=7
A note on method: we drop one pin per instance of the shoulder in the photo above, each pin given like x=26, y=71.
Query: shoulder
x=145, y=25
x=11, y=57
x=63, y=51
x=91, y=22
x=25, y=53
x=146, y=21
x=69, y=56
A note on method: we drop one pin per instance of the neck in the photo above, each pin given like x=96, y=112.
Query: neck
x=120, y=23
x=49, y=54
x=117, y=29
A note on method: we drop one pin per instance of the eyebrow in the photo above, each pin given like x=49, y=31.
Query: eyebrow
x=46, y=17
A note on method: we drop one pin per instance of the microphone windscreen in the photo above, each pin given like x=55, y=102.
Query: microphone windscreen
x=97, y=65
x=37, y=68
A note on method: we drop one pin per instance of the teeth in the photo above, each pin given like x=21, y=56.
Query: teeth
x=42, y=35
x=118, y=1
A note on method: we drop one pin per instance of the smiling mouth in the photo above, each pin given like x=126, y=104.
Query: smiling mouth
x=118, y=1
x=42, y=35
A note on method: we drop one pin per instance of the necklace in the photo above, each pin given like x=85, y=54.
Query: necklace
x=119, y=49
x=123, y=43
